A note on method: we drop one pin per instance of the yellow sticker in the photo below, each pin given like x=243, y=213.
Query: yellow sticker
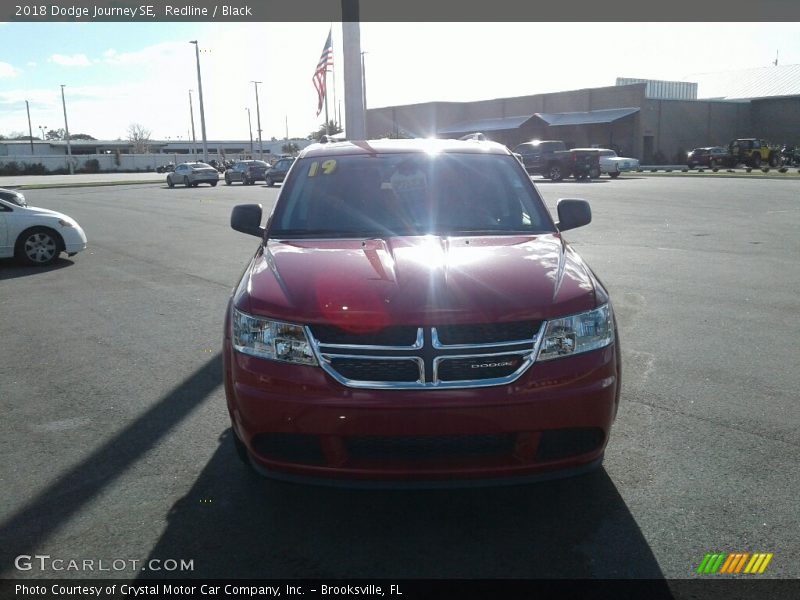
x=328, y=167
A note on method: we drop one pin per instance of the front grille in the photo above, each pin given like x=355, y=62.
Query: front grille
x=486, y=333
x=377, y=370
x=471, y=355
x=388, y=336
x=429, y=447
x=563, y=443
x=464, y=369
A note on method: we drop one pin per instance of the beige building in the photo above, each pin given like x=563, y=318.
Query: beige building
x=649, y=120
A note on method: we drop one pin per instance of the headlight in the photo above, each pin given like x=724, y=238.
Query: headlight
x=274, y=340
x=578, y=333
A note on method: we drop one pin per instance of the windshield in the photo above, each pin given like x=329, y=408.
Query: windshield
x=408, y=194
x=14, y=198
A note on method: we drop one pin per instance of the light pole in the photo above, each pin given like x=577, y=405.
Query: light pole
x=250, y=127
x=258, y=117
x=202, y=112
x=30, y=129
x=42, y=128
x=66, y=129
x=191, y=115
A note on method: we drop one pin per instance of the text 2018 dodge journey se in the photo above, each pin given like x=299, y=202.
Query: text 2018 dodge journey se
x=413, y=315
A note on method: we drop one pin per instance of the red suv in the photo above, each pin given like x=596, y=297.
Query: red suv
x=413, y=314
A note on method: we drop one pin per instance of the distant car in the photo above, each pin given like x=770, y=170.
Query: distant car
x=193, y=174
x=613, y=165
x=277, y=172
x=36, y=236
x=246, y=171
x=710, y=156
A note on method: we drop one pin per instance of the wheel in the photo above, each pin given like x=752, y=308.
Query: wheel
x=269, y=182
x=186, y=181
x=227, y=180
x=614, y=175
x=756, y=160
x=554, y=173
x=241, y=449
x=594, y=173
x=38, y=246
x=169, y=182
x=774, y=160
x=213, y=184
x=712, y=163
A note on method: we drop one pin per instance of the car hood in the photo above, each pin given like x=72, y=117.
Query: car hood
x=417, y=280
x=43, y=212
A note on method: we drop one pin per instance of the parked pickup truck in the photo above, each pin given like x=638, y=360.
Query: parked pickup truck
x=551, y=159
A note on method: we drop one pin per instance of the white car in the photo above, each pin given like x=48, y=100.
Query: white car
x=36, y=236
x=612, y=164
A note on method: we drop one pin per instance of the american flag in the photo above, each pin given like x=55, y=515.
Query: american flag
x=325, y=61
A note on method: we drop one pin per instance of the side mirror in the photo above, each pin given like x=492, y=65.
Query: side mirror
x=573, y=214
x=247, y=219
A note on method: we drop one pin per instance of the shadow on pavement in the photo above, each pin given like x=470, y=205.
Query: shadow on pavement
x=235, y=524
x=55, y=505
x=10, y=268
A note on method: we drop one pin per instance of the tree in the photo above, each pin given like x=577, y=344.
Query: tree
x=333, y=127
x=55, y=134
x=139, y=137
x=81, y=136
x=290, y=148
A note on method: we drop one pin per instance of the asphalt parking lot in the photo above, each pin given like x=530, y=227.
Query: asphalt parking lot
x=115, y=435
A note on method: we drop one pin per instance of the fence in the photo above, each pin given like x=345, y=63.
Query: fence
x=112, y=162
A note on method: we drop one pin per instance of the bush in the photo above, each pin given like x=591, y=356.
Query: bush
x=10, y=168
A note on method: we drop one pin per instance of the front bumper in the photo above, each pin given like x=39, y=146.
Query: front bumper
x=74, y=239
x=296, y=421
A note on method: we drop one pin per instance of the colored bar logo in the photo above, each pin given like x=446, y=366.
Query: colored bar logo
x=734, y=563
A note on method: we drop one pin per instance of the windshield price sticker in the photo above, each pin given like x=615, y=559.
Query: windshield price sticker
x=328, y=167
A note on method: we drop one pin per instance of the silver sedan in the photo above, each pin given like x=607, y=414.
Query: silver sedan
x=193, y=174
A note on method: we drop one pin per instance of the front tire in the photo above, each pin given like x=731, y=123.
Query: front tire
x=614, y=175
x=186, y=182
x=169, y=182
x=38, y=246
x=213, y=184
x=554, y=173
x=269, y=182
x=227, y=180
x=756, y=161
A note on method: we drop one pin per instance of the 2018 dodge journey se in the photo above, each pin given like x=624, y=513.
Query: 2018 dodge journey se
x=413, y=314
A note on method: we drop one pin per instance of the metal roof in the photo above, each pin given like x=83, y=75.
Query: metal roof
x=589, y=117
x=494, y=124
x=761, y=82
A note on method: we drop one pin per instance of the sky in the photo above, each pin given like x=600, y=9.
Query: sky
x=117, y=74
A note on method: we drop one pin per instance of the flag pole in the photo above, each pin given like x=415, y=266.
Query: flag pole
x=327, y=128
x=333, y=72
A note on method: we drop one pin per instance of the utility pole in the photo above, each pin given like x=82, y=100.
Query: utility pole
x=66, y=129
x=191, y=115
x=258, y=117
x=250, y=127
x=202, y=111
x=30, y=129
